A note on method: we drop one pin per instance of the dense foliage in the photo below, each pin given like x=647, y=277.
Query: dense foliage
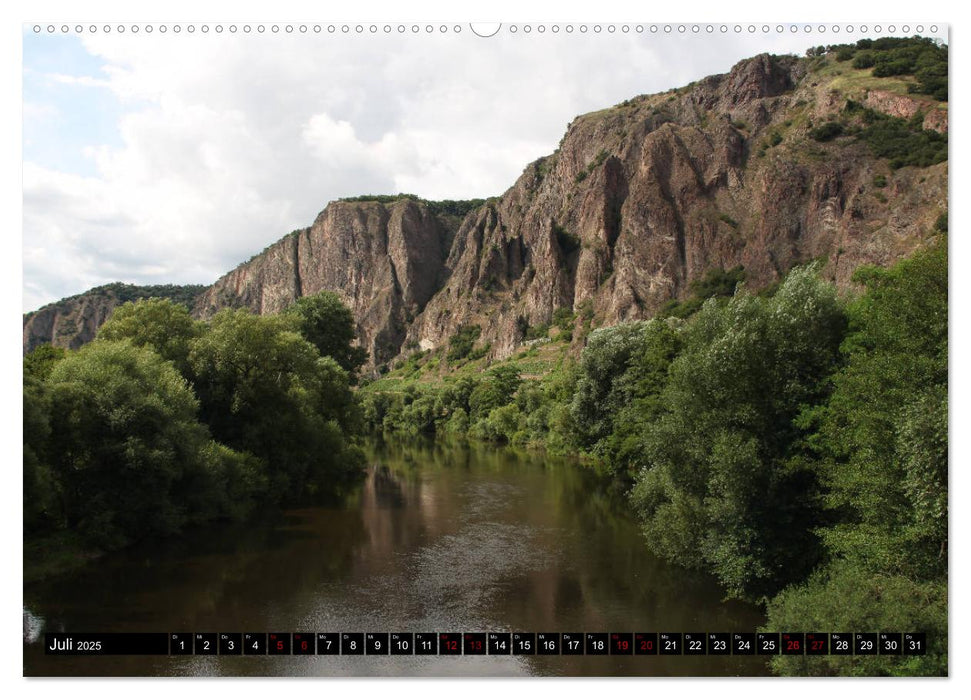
x=723, y=482
x=922, y=58
x=880, y=446
x=461, y=342
x=329, y=325
x=792, y=443
x=901, y=141
x=164, y=421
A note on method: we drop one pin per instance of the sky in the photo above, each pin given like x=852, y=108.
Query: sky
x=154, y=158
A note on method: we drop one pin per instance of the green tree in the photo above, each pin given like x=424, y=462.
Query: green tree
x=160, y=324
x=41, y=488
x=266, y=390
x=495, y=390
x=39, y=362
x=328, y=324
x=883, y=434
x=725, y=482
x=123, y=436
x=621, y=373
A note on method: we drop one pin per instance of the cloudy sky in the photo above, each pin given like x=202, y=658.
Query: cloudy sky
x=156, y=158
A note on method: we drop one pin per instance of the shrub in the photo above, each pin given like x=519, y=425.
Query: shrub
x=864, y=59
x=563, y=316
x=461, y=342
x=850, y=598
x=567, y=241
x=826, y=132
x=902, y=142
x=728, y=220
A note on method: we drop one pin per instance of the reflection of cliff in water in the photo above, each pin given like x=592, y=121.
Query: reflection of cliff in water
x=382, y=488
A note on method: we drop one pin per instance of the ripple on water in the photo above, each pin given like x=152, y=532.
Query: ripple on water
x=33, y=626
x=450, y=583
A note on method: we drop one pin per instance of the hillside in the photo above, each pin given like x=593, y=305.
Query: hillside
x=780, y=161
x=73, y=321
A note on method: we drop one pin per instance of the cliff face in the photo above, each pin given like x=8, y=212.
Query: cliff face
x=642, y=199
x=74, y=321
x=638, y=201
x=384, y=260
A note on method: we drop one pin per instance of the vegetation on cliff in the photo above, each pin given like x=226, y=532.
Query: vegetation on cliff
x=793, y=443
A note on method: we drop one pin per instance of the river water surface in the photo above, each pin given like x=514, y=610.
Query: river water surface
x=439, y=538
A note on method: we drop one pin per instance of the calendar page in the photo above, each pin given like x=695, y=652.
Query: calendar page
x=485, y=349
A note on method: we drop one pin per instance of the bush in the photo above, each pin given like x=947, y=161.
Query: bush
x=124, y=438
x=497, y=389
x=728, y=220
x=844, y=597
x=864, y=59
x=536, y=332
x=718, y=282
x=461, y=342
x=902, y=142
x=826, y=132
x=567, y=242
x=563, y=317
x=505, y=421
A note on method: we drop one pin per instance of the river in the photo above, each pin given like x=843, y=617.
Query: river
x=438, y=538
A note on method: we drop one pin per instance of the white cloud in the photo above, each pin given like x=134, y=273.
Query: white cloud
x=229, y=142
x=84, y=80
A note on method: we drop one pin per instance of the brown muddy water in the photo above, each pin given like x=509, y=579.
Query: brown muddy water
x=438, y=538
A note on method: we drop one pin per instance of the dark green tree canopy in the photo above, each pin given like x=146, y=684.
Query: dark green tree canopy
x=161, y=324
x=264, y=389
x=328, y=324
x=123, y=434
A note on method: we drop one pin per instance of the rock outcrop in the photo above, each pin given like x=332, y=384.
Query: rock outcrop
x=74, y=321
x=638, y=201
x=906, y=107
x=385, y=260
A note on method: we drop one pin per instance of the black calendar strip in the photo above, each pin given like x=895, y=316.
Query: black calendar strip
x=487, y=643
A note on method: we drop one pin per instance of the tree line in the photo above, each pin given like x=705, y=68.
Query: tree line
x=163, y=421
x=793, y=444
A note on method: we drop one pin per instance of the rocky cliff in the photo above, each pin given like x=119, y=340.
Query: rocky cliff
x=74, y=321
x=637, y=202
x=385, y=260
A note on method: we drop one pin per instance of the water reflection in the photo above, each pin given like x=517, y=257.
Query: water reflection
x=439, y=537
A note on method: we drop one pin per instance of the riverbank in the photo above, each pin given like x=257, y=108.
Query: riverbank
x=439, y=537
x=55, y=555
